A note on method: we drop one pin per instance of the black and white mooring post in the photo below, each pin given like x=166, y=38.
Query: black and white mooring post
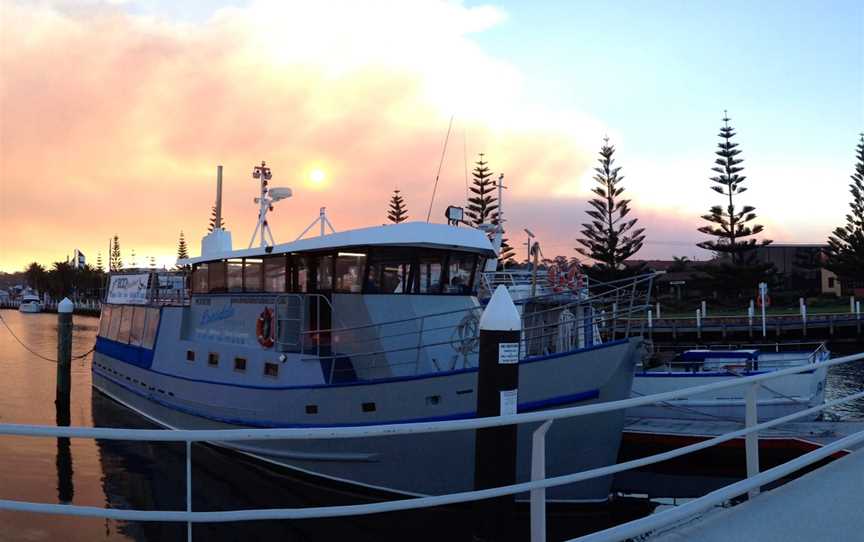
x=497, y=395
x=64, y=359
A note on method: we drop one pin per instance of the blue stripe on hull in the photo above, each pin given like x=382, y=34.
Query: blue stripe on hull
x=143, y=358
x=134, y=355
x=528, y=406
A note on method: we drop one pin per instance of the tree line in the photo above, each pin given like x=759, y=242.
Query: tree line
x=611, y=236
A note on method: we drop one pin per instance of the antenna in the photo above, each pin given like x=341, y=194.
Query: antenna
x=322, y=221
x=265, y=202
x=440, y=163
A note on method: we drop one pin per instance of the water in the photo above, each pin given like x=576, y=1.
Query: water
x=140, y=475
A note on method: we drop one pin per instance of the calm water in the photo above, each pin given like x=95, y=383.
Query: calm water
x=139, y=475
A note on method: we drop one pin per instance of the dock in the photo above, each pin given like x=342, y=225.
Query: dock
x=823, y=504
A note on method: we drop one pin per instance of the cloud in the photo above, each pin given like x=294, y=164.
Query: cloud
x=114, y=122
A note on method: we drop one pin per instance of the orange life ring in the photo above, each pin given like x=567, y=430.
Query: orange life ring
x=553, y=277
x=759, y=301
x=575, y=278
x=264, y=328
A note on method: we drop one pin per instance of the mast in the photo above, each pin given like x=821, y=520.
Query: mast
x=218, y=223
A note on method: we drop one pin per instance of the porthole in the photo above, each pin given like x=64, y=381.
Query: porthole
x=190, y=355
x=311, y=409
x=271, y=370
x=213, y=359
x=240, y=365
x=368, y=407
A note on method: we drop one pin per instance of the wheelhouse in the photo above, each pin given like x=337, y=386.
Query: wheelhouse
x=430, y=260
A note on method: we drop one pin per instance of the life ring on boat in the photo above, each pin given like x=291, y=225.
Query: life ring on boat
x=264, y=328
x=553, y=276
x=575, y=277
x=759, y=301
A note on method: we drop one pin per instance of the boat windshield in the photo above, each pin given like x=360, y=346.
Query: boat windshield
x=378, y=270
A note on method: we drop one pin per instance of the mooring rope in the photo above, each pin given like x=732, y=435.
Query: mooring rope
x=35, y=353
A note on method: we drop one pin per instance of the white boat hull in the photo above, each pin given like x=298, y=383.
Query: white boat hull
x=779, y=397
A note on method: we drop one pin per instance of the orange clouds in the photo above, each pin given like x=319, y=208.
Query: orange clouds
x=114, y=123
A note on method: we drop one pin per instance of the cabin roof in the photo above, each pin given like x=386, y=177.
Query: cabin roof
x=414, y=234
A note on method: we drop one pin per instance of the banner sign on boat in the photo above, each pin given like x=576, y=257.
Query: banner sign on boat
x=128, y=289
x=508, y=353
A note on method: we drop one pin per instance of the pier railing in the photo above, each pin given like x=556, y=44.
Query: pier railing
x=536, y=486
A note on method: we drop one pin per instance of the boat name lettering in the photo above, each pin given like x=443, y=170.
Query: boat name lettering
x=216, y=315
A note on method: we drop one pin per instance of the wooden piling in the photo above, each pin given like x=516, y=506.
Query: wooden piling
x=64, y=360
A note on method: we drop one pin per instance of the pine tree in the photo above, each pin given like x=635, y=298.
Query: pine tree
x=483, y=206
x=182, y=252
x=727, y=223
x=398, y=212
x=609, y=238
x=213, y=220
x=846, y=244
x=99, y=261
x=115, y=263
x=738, y=274
x=134, y=262
x=152, y=260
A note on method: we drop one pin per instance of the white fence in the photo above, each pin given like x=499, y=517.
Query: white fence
x=536, y=486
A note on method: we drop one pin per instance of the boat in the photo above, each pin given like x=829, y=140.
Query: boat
x=360, y=327
x=694, y=367
x=30, y=303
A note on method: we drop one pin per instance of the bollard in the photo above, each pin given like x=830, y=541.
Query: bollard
x=858, y=316
x=803, y=307
x=658, y=311
x=750, y=312
x=704, y=309
x=64, y=360
x=699, y=323
x=497, y=395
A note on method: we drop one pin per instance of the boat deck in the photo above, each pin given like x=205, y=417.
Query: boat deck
x=821, y=505
x=819, y=433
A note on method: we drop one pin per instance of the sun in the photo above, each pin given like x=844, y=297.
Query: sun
x=317, y=176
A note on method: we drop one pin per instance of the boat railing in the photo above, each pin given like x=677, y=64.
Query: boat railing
x=536, y=486
x=552, y=324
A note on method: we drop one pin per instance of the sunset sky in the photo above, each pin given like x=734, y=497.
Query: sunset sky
x=114, y=115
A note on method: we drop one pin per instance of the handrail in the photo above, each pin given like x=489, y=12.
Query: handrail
x=636, y=527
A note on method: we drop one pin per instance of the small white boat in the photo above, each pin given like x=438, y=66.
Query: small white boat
x=30, y=303
x=779, y=397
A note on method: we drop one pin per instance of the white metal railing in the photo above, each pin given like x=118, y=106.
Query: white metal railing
x=536, y=486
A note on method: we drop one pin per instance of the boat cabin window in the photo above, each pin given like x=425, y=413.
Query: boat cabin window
x=324, y=273
x=349, y=272
x=136, y=333
x=125, y=324
x=460, y=274
x=429, y=273
x=378, y=270
x=253, y=275
x=150, y=328
x=275, y=270
x=130, y=324
x=301, y=274
x=217, y=276
x=200, y=282
x=235, y=275
x=105, y=320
